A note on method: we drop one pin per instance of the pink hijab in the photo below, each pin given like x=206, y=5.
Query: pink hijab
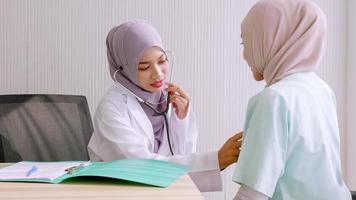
x=283, y=37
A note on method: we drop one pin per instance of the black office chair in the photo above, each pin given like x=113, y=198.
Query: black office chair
x=44, y=128
x=353, y=194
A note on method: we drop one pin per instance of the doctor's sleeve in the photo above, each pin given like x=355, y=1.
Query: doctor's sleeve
x=263, y=155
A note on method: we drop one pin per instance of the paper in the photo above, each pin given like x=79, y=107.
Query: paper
x=45, y=170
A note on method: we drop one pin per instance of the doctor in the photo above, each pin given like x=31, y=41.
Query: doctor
x=131, y=119
x=291, y=147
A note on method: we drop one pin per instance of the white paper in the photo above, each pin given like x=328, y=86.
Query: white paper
x=45, y=170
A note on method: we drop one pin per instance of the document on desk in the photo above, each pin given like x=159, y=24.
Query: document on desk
x=44, y=170
x=146, y=171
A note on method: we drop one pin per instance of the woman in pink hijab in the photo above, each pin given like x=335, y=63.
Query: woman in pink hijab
x=291, y=147
x=131, y=119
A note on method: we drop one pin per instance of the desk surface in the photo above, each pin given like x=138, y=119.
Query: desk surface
x=184, y=188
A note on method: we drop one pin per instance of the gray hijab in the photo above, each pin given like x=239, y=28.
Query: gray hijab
x=126, y=44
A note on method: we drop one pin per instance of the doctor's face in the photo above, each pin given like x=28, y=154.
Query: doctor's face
x=152, y=69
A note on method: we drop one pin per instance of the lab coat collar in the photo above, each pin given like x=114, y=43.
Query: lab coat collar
x=138, y=113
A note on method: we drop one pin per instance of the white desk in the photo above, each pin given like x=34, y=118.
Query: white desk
x=103, y=189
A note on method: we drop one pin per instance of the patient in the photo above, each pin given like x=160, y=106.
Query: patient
x=291, y=137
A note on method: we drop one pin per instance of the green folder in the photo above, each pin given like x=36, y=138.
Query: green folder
x=145, y=171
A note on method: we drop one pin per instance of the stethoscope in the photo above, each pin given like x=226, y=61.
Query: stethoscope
x=164, y=112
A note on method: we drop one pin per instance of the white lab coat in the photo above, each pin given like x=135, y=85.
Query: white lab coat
x=123, y=130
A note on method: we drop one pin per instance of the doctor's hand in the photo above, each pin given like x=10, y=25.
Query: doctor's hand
x=230, y=151
x=179, y=99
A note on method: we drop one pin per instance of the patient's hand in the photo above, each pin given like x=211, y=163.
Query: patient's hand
x=230, y=151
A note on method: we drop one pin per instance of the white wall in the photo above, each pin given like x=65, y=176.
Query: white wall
x=351, y=95
x=58, y=46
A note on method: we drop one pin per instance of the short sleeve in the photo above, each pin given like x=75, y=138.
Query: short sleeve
x=262, y=158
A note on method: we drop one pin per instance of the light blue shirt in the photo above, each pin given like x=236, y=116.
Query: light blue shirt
x=291, y=147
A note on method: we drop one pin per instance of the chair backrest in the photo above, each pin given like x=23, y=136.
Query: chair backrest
x=44, y=127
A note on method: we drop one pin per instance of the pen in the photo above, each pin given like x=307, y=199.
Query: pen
x=70, y=170
x=31, y=171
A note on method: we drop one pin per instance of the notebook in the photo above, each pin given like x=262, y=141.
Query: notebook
x=145, y=171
